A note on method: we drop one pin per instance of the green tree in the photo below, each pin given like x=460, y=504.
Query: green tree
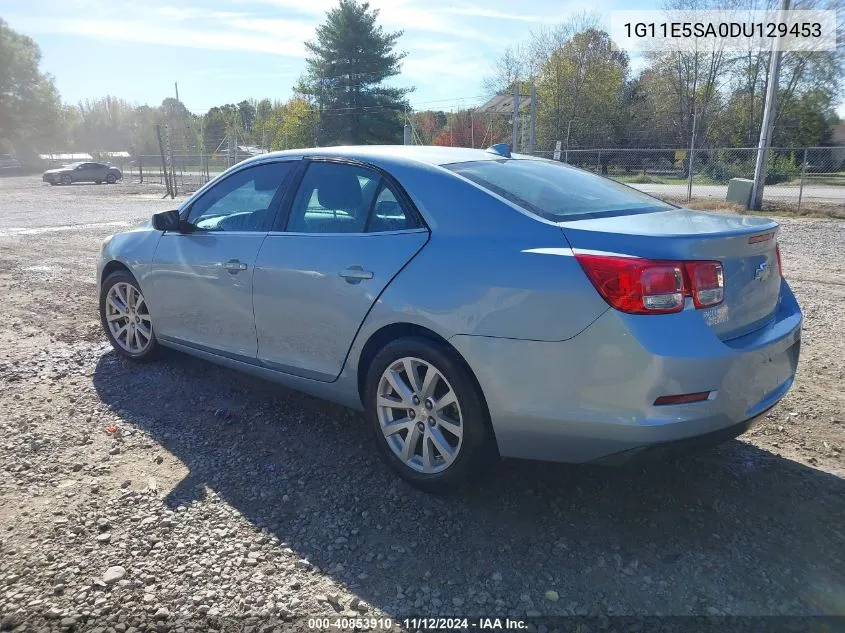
x=349, y=61
x=292, y=125
x=30, y=109
x=580, y=90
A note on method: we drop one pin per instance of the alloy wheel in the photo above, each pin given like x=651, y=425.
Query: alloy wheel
x=128, y=319
x=419, y=415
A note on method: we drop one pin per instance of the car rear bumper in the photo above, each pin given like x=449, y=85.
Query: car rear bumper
x=592, y=397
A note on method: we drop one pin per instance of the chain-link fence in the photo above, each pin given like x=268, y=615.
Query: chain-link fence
x=811, y=178
x=190, y=172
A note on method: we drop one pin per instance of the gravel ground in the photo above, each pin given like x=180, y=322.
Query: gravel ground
x=182, y=495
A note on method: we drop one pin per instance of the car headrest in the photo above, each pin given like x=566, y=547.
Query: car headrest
x=343, y=193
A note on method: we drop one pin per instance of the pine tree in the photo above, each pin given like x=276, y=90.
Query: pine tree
x=349, y=61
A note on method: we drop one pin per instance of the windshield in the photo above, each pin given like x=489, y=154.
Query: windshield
x=555, y=191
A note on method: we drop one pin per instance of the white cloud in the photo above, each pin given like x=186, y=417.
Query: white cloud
x=156, y=33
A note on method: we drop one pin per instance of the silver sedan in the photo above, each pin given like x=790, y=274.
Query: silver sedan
x=473, y=303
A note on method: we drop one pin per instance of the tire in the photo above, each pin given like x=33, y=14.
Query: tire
x=53, y=182
x=111, y=179
x=137, y=342
x=66, y=179
x=429, y=470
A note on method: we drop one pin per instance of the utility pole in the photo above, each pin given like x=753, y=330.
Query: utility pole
x=471, y=129
x=176, y=85
x=532, y=134
x=515, y=114
x=566, y=152
x=766, y=128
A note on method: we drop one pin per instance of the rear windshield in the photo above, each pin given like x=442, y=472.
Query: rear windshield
x=554, y=191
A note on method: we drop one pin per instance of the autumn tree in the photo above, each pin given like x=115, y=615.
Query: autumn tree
x=582, y=81
x=292, y=125
x=350, y=59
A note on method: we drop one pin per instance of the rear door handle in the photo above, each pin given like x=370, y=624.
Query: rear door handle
x=234, y=266
x=355, y=274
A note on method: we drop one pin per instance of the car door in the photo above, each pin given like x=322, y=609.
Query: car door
x=201, y=278
x=80, y=173
x=349, y=230
x=98, y=172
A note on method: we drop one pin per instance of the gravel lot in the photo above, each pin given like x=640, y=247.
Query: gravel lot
x=184, y=495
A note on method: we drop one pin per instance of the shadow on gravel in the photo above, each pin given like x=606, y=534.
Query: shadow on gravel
x=739, y=522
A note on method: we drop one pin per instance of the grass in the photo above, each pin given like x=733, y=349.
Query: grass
x=645, y=178
x=771, y=209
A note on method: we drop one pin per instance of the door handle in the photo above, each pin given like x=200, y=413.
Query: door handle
x=356, y=274
x=234, y=266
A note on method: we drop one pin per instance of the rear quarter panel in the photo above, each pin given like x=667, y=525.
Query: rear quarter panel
x=489, y=269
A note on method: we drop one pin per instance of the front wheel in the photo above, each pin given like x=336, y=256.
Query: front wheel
x=126, y=319
x=66, y=179
x=427, y=414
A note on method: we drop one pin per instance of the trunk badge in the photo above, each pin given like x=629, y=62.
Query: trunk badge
x=762, y=271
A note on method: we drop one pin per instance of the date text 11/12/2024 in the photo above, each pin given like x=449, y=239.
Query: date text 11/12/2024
x=418, y=623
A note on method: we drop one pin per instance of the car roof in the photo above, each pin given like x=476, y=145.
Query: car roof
x=429, y=154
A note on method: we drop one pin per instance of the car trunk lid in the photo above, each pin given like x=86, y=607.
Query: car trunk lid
x=745, y=246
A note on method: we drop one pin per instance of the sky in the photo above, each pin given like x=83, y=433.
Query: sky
x=224, y=51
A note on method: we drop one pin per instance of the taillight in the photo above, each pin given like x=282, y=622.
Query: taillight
x=707, y=283
x=646, y=286
x=780, y=264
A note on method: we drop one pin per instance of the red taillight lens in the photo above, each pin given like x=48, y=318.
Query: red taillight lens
x=637, y=286
x=707, y=283
x=780, y=264
x=646, y=286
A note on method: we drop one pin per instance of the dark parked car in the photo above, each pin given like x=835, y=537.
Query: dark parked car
x=82, y=172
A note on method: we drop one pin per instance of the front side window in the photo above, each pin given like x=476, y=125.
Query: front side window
x=554, y=191
x=333, y=198
x=242, y=201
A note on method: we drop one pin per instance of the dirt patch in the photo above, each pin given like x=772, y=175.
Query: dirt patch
x=183, y=494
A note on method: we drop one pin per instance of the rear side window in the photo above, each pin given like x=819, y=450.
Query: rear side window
x=343, y=198
x=388, y=214
x=554, y=191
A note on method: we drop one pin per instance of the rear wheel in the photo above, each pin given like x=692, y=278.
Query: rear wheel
x=111, y=179
x=427, y=414
x=126, y=319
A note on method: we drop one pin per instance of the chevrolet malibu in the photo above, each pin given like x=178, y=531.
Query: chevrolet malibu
x=472, y=303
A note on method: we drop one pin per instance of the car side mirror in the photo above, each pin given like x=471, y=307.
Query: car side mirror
x=167, y=221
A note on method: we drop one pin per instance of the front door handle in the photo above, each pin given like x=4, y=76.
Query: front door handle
x=356, y=274
x=234, y=266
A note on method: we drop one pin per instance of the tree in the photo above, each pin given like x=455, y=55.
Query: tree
x=582, y=83
x=292, y=125
x=349, y=61
x=462, y=130
x=29, y=102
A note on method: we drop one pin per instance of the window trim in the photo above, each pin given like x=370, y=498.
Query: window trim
x=280, y=226
x=275, y=203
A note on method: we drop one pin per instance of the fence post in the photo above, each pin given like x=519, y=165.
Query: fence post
x=691, y=157
x=801, y=186
x=141, y=168
x=598, y=163
x=163, y=159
